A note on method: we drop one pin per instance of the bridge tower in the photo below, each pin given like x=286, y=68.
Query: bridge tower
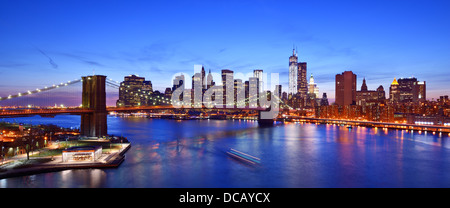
x=94, y=98
x=265, y=122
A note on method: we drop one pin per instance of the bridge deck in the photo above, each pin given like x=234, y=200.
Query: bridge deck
x=78, y=111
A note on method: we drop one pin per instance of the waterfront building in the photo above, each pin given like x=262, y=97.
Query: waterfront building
x=345, y=88
x=134, y=91
x=394, y=95
x=258, y=73
x=178, y=81
x=209, y=80
x=253, y=91
x=279, y=90
x=197, y=90
x=168, y=93
x=324, y=100
x=298, y=85
x=366, y=97
x=81, y=153
x=312, y=87
x=239, y=93
x=407, y=90
x=284, y=97
x=228, y=87
x=293, y=71
x=302, y=84
x=203, y=81
x=443, y=100
x=296, y=101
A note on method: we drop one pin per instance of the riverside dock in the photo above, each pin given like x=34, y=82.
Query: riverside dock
x=53, y=164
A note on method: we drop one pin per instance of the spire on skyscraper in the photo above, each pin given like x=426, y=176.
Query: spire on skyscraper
x=294, y=50
x=364, y=86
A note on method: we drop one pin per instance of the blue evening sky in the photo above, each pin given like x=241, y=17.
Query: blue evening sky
x=46, y=42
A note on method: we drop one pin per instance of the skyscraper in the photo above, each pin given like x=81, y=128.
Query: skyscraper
x=253, y=92
x=178, y=82
x=134, y=91
x=407, y=90
x=313, y=89
x=293, y=73
x=239, y=93
x=394, y=95
x=366, y=97
x=209, y=80
x=197, y=89
x=203, y=81
x=302, y=84
x=324, y=100
x=228, y=87
x=346, y=88
x=421, y=91
x=258, y=73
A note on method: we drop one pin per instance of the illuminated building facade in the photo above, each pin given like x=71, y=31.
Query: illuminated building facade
x=312, y=87
x=366, y=97
x=345, y=88
x=134, y=91
x=258, y=73
x=293, y=71
x=302, y=84
x=407, y=90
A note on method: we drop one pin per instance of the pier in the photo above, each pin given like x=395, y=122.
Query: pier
x=111, y=160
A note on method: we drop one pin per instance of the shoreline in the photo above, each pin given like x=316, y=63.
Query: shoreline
x=374, y=124
x=113, y=161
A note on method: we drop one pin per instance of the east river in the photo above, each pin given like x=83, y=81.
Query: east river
x=191, y=153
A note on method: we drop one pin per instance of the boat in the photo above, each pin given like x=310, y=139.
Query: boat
x=349, y=126
x=243, y=157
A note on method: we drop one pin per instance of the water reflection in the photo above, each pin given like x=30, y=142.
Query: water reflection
x=167, y=153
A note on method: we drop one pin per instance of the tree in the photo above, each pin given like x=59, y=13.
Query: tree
x=28, y=141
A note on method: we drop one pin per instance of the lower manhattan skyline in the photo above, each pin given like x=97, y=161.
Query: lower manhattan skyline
x=269, y=96
x=377, y=40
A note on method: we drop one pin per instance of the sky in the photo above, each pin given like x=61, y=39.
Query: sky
x=45, y=42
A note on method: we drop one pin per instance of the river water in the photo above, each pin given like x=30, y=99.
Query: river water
x=191, y=153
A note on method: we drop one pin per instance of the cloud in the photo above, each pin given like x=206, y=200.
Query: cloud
x=50, y=60
x=82, y=59
x=11, y=65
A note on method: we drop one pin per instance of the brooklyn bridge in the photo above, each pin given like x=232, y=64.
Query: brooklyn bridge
x=93, y=109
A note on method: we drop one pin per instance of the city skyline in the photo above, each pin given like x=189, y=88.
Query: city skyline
x=376, y=40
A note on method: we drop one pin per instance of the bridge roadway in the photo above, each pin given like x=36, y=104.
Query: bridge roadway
x=80, y=110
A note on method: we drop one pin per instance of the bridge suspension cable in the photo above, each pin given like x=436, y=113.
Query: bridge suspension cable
x=112, y=83
x=37, y=90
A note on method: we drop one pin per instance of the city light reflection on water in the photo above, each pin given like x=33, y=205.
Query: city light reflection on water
x=168, y=153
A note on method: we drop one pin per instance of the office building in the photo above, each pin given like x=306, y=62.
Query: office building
x=312, y=87
x=366, y=97
x=324, y=100
x=258, y=73
x=302, y=84
x=228, y=87
x=407, y=90
x=345, y=88
x=293, y=73
x=134, y=91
